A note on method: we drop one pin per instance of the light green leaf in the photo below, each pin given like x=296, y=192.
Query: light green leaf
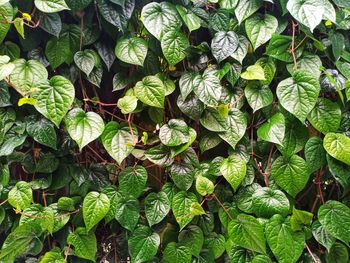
x=224, y=44
x=286, y=245
x=174, y=45
x=204, y=186
x=300, y=219
x=258, y=96
x=273, y=130
x=20, y=196
x=53, y=256
x=260, y=28
x=291, y=174
x=174, y=133
x=310, y=63
x=246, y=231
x=192, y=21
x=127, y=104
x=83, y=127
x=118, y=140
x=160, y=18
x=234, y=170
x=246, y=8
x=7, y=12
x=299, y=94
x=240, y=52
x=157, y=206
x=181, y=206
x=6, y=67
x=279, y=47
x=254, y=72
x=143, y=244
x=44, y=216
x=132, y=50
x=51, y=6
x=150, y=91
x=338, y=146
x=95, y=207
x=228, y=4
x=322, y=236
x=84, y=243
x=54, y=98
x=334, y=217
x=85, y=60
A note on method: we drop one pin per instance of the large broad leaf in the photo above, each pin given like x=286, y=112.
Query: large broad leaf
x=258, y=96
x=51, y=6
x=27, y=75
x=204, y=186
x=216, y=243
x=85, y=60
x=207, y=87
x=234, y=170
x=254, y=72
x=326, y=116
x=174, y=45
x=310, y=63
x=42, y=131
x=132, y=50
x=127, y=211
x=260, y=28
x=322, y=235
x=54, y=98
x=240, y=52
x=44, y=216
x=182, y=175
x=160, y=18
x=150, y=91
x=291, y=174
x=53, y=256
x=299, y=94
x=192, y=21
x=181, y=206
x=286, y=245
x=339, y=170
x=266, y=202
x=309, y=12
x=95, y=207
x=335, y=218
x=83, y=127
x=186, y=83
x=224, y=44
x=246, y=8
x=157, y=206
x=279, y=47
x=338, y=146
x=174, y=253
x=213, y=121
x=236, y=125
x=6, y=67
x=132, y=181
x=315, y=154
x=52, y=24
x=84, y=243
x=20, y=196
x=273, y=130
x=7, y=12
x=174, y=133
x=247, y=232
x=160, y=155
x=337, y=254
x=192, y=236
x=143, y=244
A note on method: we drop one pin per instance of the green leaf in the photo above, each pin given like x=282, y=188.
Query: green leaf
x=53, y=256
x=57, y=51
x=20, y=196
x=224, y=44
x=54, y=98
x=291, y=174
x=143, y=244
x=209, y=141
x=334, y=217
x=273, y=130
x=254, y=72
x=279, y=47
x=83, y=127
x=204, y=186
x=322, y=236
x=131, y=50
x=309, y=63
x=160, y=18
x=182, y=175
x=27, y=75
x=325, y=116
x=241, y=50
x=181, y=206
x=95, y=207
x=157, y=206
x=309, y=12
x=266, y=202
x=228, y=4
x=160, y=155
x=19, y=25
x=174, y=45
x=132, y=181
x=186, y=83
x=315, y=154
x=118, y=140
x=52, y=24
x=338, y=146
x=127, y=211
x=7, y=12
x=51, y=6
x=192, y=21
x=300, y=218
x=65, y=204
x=150, y=91
x=299, y=94
x=260, y=28
x=216, y=243
x=84, y=242
x=42, y=131
x=207, y=87
x=176, y=252
x=246, y=231
x=234, y=170
x=258, y=96
x=6, y=67
x=44, y=216
x=85, y=60
x=213, y=121
x=246, y=8
x=174, y=133
x=192, y=237
x=339, y=170
x=337, y=254
x=286, y=245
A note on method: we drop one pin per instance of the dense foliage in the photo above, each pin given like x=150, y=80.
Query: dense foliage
x=177, y=131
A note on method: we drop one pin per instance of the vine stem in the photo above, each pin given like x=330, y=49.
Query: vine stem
x=311, y=254
x=293, y=44
x=223, y=207
x=3, y=202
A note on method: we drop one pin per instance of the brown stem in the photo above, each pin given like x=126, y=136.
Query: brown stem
x=223, y=207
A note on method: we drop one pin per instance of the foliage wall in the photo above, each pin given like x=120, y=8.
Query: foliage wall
x=174, y=131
